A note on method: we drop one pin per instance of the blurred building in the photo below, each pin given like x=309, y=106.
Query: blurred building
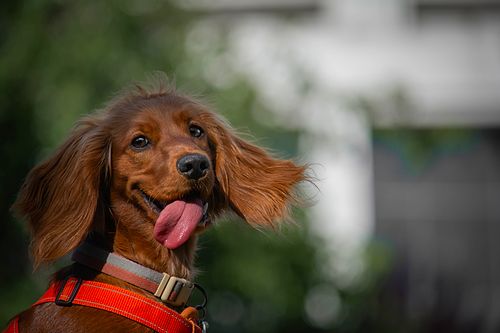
x=350, y=72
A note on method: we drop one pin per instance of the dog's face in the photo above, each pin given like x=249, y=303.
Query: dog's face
x=164, y=166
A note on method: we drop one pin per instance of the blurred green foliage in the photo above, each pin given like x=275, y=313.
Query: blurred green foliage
x=418, y=149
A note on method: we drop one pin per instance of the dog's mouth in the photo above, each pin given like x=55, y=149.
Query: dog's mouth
x=177, y=219
x=156, y=205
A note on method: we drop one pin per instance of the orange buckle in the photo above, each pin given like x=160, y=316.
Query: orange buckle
x=72, y=296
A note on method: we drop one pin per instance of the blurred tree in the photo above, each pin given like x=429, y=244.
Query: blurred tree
x=419, y=148
x=17, y=148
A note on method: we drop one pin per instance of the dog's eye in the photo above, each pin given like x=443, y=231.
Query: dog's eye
x=195, y=131
x=139, y=142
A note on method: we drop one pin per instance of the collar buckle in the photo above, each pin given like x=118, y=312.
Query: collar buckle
x=173, y=290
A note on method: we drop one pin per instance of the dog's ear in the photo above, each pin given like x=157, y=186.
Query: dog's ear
x=255, y=185
x=59, y=197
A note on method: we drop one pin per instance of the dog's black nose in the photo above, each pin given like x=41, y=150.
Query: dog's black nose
x=193, y=166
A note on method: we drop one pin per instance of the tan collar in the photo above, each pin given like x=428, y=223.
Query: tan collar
x=169, y=289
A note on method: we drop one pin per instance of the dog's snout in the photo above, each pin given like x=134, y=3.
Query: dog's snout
x=193, y=166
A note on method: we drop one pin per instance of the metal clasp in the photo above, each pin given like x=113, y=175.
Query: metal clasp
x=204, y=326
x=202, y=309
x=173, y=290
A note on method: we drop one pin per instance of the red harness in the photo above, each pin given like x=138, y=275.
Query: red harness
x=117, y=300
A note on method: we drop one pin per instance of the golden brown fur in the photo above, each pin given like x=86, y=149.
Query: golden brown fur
x=89, y=187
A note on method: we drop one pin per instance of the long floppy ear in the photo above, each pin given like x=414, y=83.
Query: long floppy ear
x=60, y=195
x=258, y=187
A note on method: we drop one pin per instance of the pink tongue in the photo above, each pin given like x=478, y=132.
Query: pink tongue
x=177, y=222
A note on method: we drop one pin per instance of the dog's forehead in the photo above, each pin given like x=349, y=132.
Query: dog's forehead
x=164, y=113
x=157, y=116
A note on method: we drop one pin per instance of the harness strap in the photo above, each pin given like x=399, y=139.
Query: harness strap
x=120, y=301
x=13, y=326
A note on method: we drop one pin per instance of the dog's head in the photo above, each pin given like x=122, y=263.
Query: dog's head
x=154, y=167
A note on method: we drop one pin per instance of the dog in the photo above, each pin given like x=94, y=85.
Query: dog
x=138, y=181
